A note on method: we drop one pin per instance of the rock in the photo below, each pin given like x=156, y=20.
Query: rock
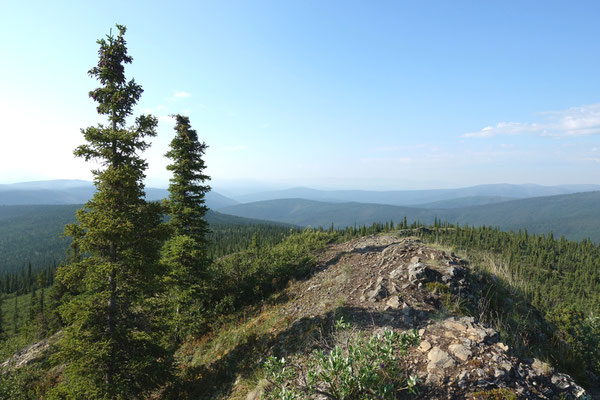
x=461, y=324
x=480, y=334
x=439, y=359
x=462, y=379
x=416, y=272
x=499, y=373
x=425, y=346
x=561, y=381
x=393, y=288
x=540, y=368
x=393, y=302
x=434, y=378
x=380, y=292
x=460, y=351
x=455, y=272
x=506, y=366
x=407, y=310
x=32, y=353
x=502, y=346
x=397, y=273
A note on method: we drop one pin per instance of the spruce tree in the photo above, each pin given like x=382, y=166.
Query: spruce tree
x=184, y=255
x=15, y=314
x=187, y=189
x=109, y=345
x=2, y=329
x=33, y=307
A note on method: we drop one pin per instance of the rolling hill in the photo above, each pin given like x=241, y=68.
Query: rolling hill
x=64, y=191
x=576, y=216
x=417, y=197
x=465, y=202
x=33, y=233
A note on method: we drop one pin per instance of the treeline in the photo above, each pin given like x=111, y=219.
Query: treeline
x=27, y=279
x=222, y=239
x=559, y=278
x=137, y=286
x=557, y=271
x=225, y=239
x=32, y=233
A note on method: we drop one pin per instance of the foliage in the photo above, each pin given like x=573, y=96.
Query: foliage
x=541, y=293
x=576, y=216
x=27, y=383
x=32, y=235
x=495, y=394
x=359, y=367
x=109, y=344
x=184, y=255
x=186, y=190
x=249, y=276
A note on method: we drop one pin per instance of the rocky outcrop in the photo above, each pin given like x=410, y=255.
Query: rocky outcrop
x=402, y=283
x=31, y=353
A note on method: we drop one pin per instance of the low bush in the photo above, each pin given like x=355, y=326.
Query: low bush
x=356, y=367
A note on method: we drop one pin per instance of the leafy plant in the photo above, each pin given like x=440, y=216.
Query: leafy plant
x=361, y=367
x=496, y=394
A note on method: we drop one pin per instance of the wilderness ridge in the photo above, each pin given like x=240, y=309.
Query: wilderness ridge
x=65, y=191
x=32, y=233
x=576, y=216
x=159, y=296
x=471, y=195
x=69, y=191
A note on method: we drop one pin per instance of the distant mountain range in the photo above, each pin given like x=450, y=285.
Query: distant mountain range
x=576, y=216
x=57, y=192
x=538, y=208
x=418, y=197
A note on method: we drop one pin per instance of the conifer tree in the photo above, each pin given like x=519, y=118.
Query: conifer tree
x=184, y=255
x=187, y=189
x=109, y=346
x=15, y=314
x=2, y=328
x=33, y=302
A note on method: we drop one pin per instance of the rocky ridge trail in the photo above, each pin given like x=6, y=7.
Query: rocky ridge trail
x=401, y=283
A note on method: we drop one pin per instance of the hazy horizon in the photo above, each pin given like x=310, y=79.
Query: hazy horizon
x=241, y=188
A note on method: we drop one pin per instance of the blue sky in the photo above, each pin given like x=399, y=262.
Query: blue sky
x=336, y=94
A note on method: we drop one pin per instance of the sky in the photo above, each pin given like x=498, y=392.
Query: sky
x=327, y=94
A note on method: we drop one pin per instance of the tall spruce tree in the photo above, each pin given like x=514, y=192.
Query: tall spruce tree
x=187, y=189
x=2, y=328
x=109, y=347
x=184, y=255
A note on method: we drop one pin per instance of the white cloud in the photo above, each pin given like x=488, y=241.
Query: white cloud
x=596, y=160
x=181, y=95
x=572, y=122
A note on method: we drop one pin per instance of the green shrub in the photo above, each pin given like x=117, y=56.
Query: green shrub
x=359, y=367
x=250, y=276
x=496, y=394
x=437, y=287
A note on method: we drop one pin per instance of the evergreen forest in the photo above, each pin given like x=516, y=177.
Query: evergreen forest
x=143, y=286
